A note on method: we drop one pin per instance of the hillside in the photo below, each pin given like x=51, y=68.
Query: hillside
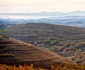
x=64, y=40
x=13, y=51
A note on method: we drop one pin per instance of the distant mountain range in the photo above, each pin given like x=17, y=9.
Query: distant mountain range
x=75, y=13
x=76, y=18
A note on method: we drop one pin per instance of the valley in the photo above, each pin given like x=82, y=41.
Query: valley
x=65, y=40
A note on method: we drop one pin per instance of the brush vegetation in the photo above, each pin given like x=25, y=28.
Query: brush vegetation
x=64, y=40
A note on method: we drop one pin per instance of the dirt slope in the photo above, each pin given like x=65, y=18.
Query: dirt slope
x=13, y=51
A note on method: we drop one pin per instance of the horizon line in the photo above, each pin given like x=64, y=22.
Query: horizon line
x=9, y=13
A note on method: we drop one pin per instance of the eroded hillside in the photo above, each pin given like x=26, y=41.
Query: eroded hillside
x=13, y=51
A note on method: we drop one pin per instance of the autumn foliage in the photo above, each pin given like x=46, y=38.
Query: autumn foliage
x=32, y=67
x=20, y=67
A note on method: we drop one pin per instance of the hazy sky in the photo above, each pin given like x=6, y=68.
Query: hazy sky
x=25, y=6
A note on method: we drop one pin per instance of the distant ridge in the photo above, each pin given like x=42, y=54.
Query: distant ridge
x=74, y=13
x=76, y=18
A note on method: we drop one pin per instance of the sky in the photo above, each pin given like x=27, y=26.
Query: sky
x=32, y=6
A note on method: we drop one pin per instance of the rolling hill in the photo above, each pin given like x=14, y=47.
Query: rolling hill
x=64, y=40
x=13, y=51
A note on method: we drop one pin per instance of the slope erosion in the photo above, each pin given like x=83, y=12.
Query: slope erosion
x=13, y=51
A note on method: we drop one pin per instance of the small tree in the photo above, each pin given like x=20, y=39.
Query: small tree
x=1, y=28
